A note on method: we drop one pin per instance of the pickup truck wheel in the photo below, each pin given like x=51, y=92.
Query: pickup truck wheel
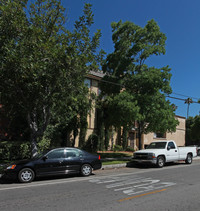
x=160, y=161
x=188, y=159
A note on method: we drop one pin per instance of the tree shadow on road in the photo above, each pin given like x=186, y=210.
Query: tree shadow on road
x=150, y=166
x=5, y=180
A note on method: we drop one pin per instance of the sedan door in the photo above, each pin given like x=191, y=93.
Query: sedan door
x=73, y=160
x=52, y=163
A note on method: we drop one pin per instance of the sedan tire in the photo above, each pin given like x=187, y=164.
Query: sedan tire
x=86, y=170
x=26, y=175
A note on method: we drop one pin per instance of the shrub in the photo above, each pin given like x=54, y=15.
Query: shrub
x=13, y=150
x=25, y=150
x=92, y=143
x=129, y=149
x=44, y=144
x=117, y=148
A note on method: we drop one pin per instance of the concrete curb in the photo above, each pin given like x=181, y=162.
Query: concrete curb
x=126, y=164
x=121, y=165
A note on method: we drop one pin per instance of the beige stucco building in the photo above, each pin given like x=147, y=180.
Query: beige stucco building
x=178, y=136
x=92, y=82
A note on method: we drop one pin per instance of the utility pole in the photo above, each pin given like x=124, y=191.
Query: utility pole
x=188, y=101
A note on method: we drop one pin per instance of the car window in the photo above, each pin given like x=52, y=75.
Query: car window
x=171, y=145
x=55, y=154
x=72, y=153
x=157, y=145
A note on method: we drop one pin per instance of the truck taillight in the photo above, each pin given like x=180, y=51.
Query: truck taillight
x=99, y=157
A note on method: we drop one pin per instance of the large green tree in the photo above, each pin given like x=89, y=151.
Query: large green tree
x=43, y=65
x=193, y=130
x=127, y=66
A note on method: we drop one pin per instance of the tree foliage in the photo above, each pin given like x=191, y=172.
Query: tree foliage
x=43, y=64
x=145, y=86
x=193, y=130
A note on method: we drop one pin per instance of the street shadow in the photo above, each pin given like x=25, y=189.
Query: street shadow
x=56, y=177
x=148, y=166
x=5, y=180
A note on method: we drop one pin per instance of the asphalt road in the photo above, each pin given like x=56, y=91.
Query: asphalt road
x=174, y=187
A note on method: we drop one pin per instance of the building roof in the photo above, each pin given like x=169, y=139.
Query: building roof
x=96, y=74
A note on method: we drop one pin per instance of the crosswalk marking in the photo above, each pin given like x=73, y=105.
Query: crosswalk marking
x=131, y=185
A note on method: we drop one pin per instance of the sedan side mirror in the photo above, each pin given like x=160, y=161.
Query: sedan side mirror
x=44, y=158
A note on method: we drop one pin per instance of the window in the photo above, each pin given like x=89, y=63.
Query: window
x=56, y=154
x=157, y=145
x=171, y=145
x=72, y=153
x=87, y=82
x=159, y=135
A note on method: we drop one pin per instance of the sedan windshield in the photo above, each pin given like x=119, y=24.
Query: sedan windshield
x=40, y=154
x=157, y=145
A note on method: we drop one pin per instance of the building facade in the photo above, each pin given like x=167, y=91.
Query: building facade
x=92, y=82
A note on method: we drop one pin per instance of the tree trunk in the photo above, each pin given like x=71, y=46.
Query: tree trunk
x=107, y=137
x=100, y=129
x=119, y=136
x=124, y=143
x=75, y=133
x=140, y=136
x=34, y=149
x=83, y=129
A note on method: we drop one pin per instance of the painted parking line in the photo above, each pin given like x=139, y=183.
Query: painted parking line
x=144, y=194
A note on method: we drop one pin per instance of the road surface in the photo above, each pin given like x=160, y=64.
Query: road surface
x=174, y=187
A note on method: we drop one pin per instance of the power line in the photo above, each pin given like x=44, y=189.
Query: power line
x=185, y=96
x=115, y=83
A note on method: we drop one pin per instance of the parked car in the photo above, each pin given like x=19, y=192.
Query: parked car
x=54, y=162
x=161, y=152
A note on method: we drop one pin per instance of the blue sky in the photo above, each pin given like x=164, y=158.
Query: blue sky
x=178, y=19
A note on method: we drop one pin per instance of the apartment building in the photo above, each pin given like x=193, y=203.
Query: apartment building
x=92, y=82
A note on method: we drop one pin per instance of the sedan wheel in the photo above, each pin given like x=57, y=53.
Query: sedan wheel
x=26, y=175
x=86, y=170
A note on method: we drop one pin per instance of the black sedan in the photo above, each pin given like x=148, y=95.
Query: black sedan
x=55, y=162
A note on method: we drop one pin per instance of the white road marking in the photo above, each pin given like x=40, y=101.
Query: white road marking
x=131, y=186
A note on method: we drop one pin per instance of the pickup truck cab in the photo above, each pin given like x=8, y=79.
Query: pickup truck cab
x=161, y=152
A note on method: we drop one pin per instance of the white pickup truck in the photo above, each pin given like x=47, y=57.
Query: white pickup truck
x=161, y=152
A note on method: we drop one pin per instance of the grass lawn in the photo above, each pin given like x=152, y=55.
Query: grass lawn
x=110, y=154
x=114, y=162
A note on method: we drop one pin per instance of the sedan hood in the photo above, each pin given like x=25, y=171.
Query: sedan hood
x=22, y=162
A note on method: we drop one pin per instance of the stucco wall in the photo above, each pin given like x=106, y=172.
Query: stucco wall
x=178, y=136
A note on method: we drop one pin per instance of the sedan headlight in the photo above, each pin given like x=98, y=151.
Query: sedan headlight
x=11, y=167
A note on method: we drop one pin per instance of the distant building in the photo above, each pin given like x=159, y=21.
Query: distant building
x=92, y=81
x=178, y=136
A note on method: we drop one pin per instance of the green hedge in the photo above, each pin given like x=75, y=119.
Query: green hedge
x=10, y=150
